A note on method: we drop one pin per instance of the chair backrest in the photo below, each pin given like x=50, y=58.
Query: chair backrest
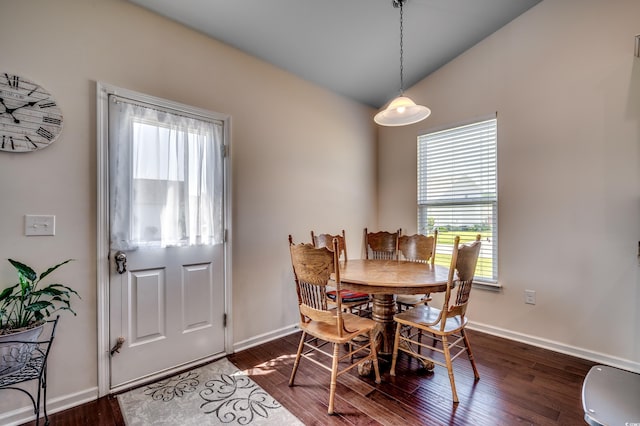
x=462, y=270
x=312, y=269
x=418, y=248
x=381, y=245
x=326, y=240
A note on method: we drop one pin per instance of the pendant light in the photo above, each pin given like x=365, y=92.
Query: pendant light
x=402, y=110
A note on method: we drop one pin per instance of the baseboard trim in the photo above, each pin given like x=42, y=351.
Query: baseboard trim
x=25, y=414
x=265, y=337
x=598, y=357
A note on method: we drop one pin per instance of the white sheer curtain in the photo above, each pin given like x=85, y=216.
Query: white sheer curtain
x=166, y=176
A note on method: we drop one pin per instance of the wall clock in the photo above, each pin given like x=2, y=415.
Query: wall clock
x=30, y=119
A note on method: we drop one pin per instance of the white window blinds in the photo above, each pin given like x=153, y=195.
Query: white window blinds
x=457, y=191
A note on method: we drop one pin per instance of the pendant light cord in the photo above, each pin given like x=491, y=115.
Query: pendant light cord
x=401, y=111
x=401, y=2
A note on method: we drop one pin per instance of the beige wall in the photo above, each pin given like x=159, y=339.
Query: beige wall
x=302, y=158
x=566, y=87
x=562, y=78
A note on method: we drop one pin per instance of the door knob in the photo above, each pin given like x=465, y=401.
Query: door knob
x=121, y=262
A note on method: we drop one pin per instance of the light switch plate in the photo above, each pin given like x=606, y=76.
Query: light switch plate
x=39, y=225
x=530, y=297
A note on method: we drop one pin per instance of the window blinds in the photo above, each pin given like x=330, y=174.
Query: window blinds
x=457, y=191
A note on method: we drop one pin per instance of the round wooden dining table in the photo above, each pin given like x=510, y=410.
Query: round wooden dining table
x=385, y=278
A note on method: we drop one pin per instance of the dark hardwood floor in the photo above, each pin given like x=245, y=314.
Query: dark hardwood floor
x=519, y=385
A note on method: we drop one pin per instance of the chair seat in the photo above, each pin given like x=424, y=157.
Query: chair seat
x=422, y=315
x=349, y=296
x=353, y=323
x=409, y=299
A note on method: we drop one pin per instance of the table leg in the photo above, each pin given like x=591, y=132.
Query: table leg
x=426, y=363
x=383, y=310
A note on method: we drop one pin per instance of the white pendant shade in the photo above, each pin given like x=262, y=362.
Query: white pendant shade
x=400, y=112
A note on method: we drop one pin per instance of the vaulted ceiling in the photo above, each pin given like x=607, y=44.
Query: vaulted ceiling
x=351, y=47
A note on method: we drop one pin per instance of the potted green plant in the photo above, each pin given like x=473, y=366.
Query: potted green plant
x=24, y=308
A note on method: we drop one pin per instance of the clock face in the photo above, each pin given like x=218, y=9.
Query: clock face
x=30, y=119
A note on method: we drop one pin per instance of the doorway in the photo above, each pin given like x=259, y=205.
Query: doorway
x=162, y=237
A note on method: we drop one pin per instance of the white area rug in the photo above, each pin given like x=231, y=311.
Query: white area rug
x=215, y=394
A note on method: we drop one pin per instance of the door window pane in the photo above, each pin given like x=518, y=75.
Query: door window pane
x=168, y=169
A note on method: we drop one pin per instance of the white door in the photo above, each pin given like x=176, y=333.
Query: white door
x=166, y=240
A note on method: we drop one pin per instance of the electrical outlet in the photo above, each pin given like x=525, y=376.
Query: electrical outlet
x=530, y=297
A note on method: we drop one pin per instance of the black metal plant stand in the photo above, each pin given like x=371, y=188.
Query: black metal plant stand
x=35, y=369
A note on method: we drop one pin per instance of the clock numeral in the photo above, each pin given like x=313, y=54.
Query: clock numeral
x=50, y=120
x=4, y=142
x=14, y=81
x=47, y=105
x=29, y=139
x=45, y=133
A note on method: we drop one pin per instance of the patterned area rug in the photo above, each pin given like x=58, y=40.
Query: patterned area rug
x=215, y=394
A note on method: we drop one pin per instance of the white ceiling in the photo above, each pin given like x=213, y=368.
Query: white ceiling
x=351, y=47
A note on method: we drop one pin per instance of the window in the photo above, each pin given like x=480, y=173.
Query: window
x=167, y=176
x=457, y=191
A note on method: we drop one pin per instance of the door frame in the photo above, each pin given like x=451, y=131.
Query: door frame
x=103, y=90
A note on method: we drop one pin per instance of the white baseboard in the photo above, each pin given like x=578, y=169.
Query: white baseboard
x=598, y=357
x=25, y=414
x=601, y=358
x=265, y=337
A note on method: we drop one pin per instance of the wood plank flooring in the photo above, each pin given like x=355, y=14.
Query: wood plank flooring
x=519, y=385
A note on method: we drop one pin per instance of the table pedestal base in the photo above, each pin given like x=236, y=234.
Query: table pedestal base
x=383, y=310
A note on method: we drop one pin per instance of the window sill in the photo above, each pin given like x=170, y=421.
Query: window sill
x=486, y=285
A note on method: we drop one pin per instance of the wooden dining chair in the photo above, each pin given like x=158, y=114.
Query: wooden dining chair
x=446, y=325
x=416, y=248
x=352, y=301
x=322, y=325
x=381, y=245
x=326, y=240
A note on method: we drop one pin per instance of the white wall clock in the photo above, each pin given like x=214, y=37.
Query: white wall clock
x=30, y=119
